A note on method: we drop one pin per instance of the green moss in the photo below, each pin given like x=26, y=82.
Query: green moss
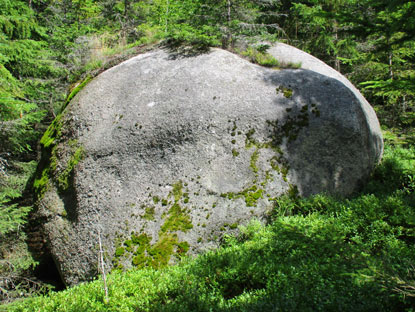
x=183, y=248
x=52, y=133
x=137, y=246
x=274, y=162
x=287, y=92
x=229, y=195
x=293, y=65
x=252, y=195
x=235, y=153
x=119, y=251
x=186, y=198
x=149, y=213
x=157, y=255
x=268, y=177
x=140, y=257
x=279, y=165
x=40, y=184
x=162, y=251
x=178, y=220
x=48, y=164
x=234, y=127
x=116, y=264
x=254, y=159
x=64, y=178
x=140, y=260
x=233, y=226
x=261, y=57
x=290, y=128
x=141, y=240
x=141, y=244
x=78, y=88
x=156, y=199
x=249, y=141
x=130, y=249
x=177, y=190
x=47, y=172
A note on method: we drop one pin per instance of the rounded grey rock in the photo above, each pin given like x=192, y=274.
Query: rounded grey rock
x=176, y=151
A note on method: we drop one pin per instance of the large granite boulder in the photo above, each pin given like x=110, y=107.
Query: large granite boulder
x=162, y=154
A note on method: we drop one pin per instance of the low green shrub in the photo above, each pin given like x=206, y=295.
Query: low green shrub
x=316, y=254
x=189, y=40
x=15, y=259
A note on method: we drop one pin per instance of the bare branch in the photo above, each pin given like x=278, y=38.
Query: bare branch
x=102, y=266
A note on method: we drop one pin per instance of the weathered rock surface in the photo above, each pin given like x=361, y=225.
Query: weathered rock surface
x=303, y=156
x=161, y=155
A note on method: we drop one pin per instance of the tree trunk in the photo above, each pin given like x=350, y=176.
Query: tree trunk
x=126, y=7
x=167, y=15
x=404, y=104
x=390, y=56
x=336, y=39
x=228, y=20
x=390, y=59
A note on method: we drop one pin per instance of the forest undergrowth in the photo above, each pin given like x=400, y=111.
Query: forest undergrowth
x=315, y=254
